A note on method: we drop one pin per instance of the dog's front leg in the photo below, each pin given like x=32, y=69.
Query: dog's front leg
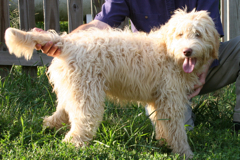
x=170, y=119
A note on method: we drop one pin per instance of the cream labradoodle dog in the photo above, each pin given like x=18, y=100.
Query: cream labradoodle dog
x=159, y=68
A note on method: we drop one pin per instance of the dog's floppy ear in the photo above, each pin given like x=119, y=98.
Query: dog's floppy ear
x=212, y=34
x=216, y=45
x=214, y=39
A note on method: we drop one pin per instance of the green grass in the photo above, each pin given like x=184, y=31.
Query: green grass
x=125, y=133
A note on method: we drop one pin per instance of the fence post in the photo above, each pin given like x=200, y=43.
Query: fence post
x=26, y=14
x=27, y=22
x=75, y=14
x=51, y=15
x=96, y=7
x=230, y=18
x=4, y=24
x=233, y=18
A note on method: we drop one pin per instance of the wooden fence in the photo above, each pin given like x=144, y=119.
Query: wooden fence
x=27, y=22
x=230, y=10
x=230, y=15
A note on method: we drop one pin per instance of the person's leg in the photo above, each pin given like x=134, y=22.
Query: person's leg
x=236, y=114
x=189, y=118
x=227, y=72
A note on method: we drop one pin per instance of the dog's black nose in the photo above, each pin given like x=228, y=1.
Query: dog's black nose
x=187, y=52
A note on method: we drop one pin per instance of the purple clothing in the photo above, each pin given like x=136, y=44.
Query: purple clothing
x=147, y=14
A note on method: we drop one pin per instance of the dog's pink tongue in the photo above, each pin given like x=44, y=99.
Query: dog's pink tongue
x=188, y=64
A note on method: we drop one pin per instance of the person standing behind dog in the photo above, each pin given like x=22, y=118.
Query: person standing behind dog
x=146, y=15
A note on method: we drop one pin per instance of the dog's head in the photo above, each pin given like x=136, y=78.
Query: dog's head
x=191, y=39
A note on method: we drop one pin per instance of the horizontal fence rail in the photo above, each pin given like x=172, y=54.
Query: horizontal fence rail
x=27, y=22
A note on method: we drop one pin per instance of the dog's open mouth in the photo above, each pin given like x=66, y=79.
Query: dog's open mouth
x=188, y=64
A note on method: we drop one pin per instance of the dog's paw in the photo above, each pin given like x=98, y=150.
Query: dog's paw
x=47, y=123
x=74, y=139
x=189, y=154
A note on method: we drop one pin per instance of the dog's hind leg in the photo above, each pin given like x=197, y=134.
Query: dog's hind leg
x=85, y=113
x=57, y=119
x=171, y=121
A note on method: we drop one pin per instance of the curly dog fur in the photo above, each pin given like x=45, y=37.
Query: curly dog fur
x=159, y=68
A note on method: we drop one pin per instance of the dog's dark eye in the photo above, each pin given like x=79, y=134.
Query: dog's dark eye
x=198, y=35
x=180, y=34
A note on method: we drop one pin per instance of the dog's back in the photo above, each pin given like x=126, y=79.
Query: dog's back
x=131, y=66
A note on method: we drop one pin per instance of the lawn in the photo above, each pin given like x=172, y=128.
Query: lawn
x=125, y=133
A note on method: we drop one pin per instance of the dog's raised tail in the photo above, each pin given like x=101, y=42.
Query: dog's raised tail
x=22, y=43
